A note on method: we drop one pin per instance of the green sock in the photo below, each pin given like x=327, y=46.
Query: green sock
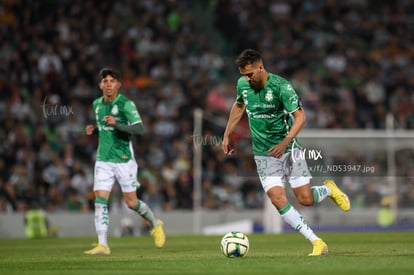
x=143, y=209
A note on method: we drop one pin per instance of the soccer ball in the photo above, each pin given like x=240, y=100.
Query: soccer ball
x=234, y=244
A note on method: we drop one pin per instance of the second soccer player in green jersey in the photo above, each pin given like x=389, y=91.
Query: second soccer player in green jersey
x=117, y=118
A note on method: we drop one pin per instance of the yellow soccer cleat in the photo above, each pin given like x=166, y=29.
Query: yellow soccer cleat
x=339, y=197
x=158, y=233
x=98, y=250
x=319, y=248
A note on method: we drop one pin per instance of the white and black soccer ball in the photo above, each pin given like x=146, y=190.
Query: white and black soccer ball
x=234, y=244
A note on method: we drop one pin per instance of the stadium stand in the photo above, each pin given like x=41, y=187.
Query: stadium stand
x=351, y=62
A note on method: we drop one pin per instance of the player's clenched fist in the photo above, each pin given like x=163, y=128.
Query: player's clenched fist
x=89, y=129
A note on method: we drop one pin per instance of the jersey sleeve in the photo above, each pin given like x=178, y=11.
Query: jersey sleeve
x=290, y=98
x=95, y=108
x=131, y=113
x=239, y=89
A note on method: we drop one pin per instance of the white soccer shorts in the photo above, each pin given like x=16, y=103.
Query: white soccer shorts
x=275, y=171
x=125, y=173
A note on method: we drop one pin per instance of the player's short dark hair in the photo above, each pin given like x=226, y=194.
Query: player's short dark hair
x=110, y=71
x=248, y=57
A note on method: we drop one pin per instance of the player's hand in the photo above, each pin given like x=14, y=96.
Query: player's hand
x=109, y=120
x=226, y=147
x=89, y=129
x=278, y=150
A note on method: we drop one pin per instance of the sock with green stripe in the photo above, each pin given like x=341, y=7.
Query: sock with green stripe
x=292, y=217
x=320, y=193
x=101, y=220
x=143, y=209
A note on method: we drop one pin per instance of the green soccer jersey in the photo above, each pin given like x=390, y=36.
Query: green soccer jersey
x=269, y=111
x=114, y=145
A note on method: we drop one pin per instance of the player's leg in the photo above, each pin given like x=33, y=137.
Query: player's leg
x=272, y=172
x=140, y=207
x=307, y=195
x=103, y=182
x=145, y=212
x=292, y=217
x=126, y=176
x=301, y=189
x=304, y=195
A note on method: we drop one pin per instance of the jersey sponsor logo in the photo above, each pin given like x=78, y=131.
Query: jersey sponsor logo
x=263, y=116
x=105, y=128
x=268, y=106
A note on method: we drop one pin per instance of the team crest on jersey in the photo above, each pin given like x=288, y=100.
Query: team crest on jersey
x=269, y=96
x=114, y=110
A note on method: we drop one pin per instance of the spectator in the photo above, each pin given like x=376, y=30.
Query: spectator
x=352, y=64
x=74, y=202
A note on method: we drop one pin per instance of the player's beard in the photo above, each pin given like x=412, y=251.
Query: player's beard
x=256, y=85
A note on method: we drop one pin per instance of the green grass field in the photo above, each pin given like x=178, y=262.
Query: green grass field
x=350, y=253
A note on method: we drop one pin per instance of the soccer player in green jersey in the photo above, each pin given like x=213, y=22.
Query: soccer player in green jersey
x=117, y=118
x=275, y=117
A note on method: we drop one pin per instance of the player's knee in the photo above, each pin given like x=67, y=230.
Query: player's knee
x=131, y=204
x=305, y=200
x=279, y=201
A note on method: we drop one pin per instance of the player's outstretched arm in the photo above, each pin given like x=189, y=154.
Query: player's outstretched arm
x=236, y=113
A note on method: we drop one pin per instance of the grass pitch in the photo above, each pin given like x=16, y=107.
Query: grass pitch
x=350, y=253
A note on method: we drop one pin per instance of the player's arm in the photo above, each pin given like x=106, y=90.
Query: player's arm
x=236, y=114
x=134, y=129
x=134, y=126
x=92, y=129
x=293, y=105
x=299, y=121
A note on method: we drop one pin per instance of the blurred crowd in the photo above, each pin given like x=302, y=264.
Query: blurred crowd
x=351, y=62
